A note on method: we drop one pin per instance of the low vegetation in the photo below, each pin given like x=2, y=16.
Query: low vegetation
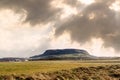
x=60, y=70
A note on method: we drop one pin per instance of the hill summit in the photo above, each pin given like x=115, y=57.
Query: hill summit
x=63, y=54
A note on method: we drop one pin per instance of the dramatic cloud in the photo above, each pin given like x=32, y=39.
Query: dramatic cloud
x=21, y=40
x=36, y=25
x=97, y=20
x=38, y=11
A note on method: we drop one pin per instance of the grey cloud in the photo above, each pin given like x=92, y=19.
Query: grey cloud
x=104, y=25
x=38, y=11
x=71, y=2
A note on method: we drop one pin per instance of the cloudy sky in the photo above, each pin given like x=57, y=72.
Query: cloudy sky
x=29, y=27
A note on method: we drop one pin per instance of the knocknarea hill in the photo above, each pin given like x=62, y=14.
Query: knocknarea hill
x=64, y=54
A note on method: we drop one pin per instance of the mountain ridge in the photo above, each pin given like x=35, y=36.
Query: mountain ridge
x=64, y=54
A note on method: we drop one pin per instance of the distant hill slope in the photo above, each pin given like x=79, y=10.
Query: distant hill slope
x=63, y=54
x=12, y=59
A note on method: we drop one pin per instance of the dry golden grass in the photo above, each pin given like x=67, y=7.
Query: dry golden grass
x=7, y=68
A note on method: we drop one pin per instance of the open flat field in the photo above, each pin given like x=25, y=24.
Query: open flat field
x=30, y=67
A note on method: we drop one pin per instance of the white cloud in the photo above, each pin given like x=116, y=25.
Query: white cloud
x=23, y=40
x=18, y=39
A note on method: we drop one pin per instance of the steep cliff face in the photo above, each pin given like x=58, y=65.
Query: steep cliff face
x=63, y=54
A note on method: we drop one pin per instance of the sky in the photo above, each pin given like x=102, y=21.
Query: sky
x=29, y=27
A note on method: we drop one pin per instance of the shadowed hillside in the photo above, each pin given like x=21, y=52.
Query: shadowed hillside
x=64, y=54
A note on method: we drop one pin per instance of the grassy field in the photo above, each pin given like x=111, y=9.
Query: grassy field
x=7, y=68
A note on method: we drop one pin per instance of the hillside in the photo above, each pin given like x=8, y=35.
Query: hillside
x=64, y=54
x=12, y=59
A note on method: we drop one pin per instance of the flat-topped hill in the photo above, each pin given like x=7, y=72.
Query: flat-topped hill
x=61, y=54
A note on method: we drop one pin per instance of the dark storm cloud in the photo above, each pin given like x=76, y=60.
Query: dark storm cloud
x=38, y=11
x=71, y=2
x=94, y=21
